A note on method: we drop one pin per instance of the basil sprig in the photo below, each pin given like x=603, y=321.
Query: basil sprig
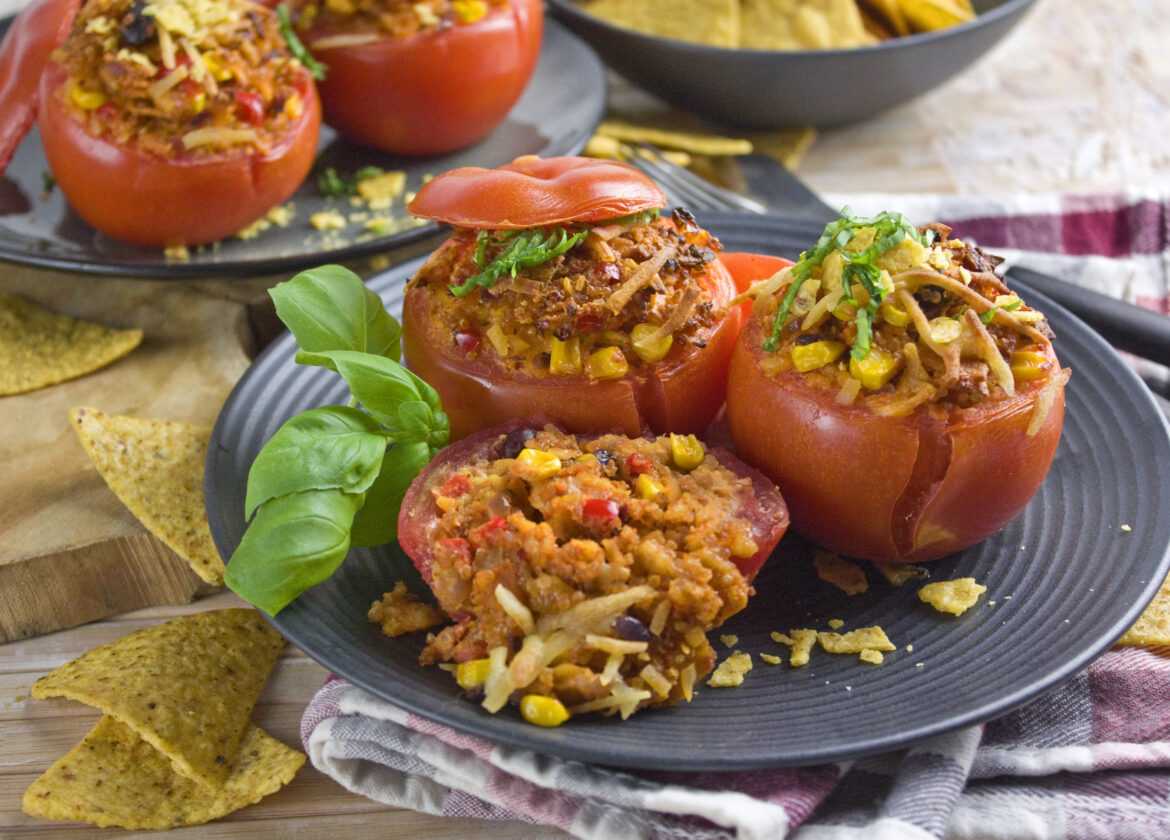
x=334, y=476
x=515, y=250
x=890, y=229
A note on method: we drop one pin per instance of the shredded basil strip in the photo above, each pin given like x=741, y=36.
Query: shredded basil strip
x=889, y=230
x=330, y=183
x=518, y=249
x=988, y=316
x=296, y=47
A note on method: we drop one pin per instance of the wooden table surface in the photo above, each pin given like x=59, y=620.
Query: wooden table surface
x=1074, y=100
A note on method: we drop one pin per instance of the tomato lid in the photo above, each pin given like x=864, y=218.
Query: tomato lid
x=33, y=35
x=534, y=192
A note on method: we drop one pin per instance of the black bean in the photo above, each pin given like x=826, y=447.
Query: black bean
x=137, y=28
x=632, y=629
x=515, y=440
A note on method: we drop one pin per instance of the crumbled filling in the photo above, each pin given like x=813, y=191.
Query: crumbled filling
x=948, y=333
x=588, y=570
x=180, y=77
x=620, y=298
x=387, y=18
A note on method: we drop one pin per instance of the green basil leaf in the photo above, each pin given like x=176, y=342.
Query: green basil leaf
x=300, y=53
x=330, y=308
x=294, y=542
x=329, y=447
x=377, y=522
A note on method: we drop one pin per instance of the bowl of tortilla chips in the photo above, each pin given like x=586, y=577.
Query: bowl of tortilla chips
x=770, y=64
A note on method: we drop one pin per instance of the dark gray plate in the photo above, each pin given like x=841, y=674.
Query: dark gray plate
x=773, y=89
x=556, y=116
x=1065, y=578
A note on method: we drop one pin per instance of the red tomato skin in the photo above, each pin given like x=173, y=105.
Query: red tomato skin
x=153, y=201
x=535, y=192
x=435, y=92
x=418, y=516
x=887, y=489
x=682, y=393
x=33, y=34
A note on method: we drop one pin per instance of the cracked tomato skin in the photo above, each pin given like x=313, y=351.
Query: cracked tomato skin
x=434, y=92
x=155, y=201
x=681, y=393
x=888, y=489
x=763, y=506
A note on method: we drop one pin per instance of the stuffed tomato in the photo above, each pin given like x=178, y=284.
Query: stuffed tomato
x=421, y=78
x=176, y=123
x=585, y=570
x=904, y=400
x=563, y=291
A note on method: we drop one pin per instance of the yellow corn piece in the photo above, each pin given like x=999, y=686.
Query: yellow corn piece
x=540, y=463
x=607, y=363
x=199, y=102
x=543, y=711
x=89, y=100
x=294, y=106
x=650, y=351
x=218, y=70
x=806, y=357
x=647, y=488
x=472, y=673
x=876, y=369
x=1028, y=365
x=686, y=451
x=565, y=356
x=893, y=314
x=469, y=11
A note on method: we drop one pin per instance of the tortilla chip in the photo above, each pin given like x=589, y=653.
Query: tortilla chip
x=802, y=24
x=39, y=347
x=186, y=686
x=1153, y=626
x=156, y=468
x=848, y=577
x=712, y=22
x=695, y=142
x=115, y=778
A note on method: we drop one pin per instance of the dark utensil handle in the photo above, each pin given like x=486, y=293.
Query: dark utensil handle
x=1125, y=326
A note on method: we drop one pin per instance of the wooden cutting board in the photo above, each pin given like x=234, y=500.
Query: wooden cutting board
x=69, y=551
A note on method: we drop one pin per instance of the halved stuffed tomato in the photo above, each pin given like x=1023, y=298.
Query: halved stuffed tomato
x=563, y=291
x=422, y=78
x=904, y=400
x=585, y=569
x=194, y=124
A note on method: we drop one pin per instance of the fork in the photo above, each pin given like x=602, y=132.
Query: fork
x=684, y=186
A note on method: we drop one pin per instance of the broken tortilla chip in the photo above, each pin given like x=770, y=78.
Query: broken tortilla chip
x=1152, y=628
x=187, y=686
x=155, y=467
x=39, y=347
x=115, y=778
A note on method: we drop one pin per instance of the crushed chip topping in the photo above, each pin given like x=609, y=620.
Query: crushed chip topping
x=952, y=596
x=731, y=671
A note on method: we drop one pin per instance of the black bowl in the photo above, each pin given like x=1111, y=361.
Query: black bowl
x=778, y=89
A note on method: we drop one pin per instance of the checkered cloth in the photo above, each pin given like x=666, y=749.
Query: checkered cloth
x=1089, y=760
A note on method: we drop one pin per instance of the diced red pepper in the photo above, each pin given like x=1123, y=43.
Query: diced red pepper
x=107, y=111
x=605, y=509
x=467, y=340
x=457, y=546
x=488, y=531
x=250, y=107
x=455, y=486
x=638, y=464
x=610, y=272
x=587, y=322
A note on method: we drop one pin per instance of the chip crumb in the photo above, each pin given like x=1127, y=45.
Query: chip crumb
x=1126, y=528
x=1153, y=625
x=909, y=648
x=874, y=657
x=801, y=643
x=848, y=577
x=327, y=220
x=731, y=671
x=770, y=659
x=729, y=640
x=836, y=624
x=177, y=254
x=900, y=573
x=855, y=641
x=952, y=596
x=380, y=190
x=400, y=612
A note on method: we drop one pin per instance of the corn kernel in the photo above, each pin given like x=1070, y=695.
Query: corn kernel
x=540, y=464
x=893, y=314
x=89, y=100
x=607, y=363
x=472, y=673
x=543, y=711
x=876, y=369
x=294, y=106
x=686, y=451
x=469, y=11
x=199, y=102
x=806, y=357
x=944, y=330
x=566, y=356
x=216, y=68
x=647, y=488
x=1028, y=365
x=650, y=351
